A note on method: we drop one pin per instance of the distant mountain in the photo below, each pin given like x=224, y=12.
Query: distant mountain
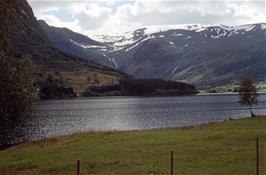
x=77, y=44
x=21, y=35
x=204, y=55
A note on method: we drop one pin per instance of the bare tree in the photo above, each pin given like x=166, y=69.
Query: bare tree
x=248, y=93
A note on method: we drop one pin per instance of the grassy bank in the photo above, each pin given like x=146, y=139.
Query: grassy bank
x=223, y=148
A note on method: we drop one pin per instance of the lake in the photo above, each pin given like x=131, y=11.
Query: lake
x=62, y=117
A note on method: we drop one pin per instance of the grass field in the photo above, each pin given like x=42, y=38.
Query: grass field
x=226, y=148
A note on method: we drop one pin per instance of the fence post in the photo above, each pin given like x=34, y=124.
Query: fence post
x=78, y=167
x=172, y=163
x=257, y=157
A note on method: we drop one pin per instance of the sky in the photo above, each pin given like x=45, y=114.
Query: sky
x=93, y=17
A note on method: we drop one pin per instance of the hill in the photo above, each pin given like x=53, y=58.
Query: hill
x=22, y=37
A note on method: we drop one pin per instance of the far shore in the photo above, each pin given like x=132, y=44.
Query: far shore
x=143, y=96
x=226, y=93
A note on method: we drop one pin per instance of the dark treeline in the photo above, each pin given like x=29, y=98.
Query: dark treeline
x=144, y=87
x=52, y=87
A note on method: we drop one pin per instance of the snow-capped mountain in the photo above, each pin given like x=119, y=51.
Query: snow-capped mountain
x=121, y=41
x=128, y=38
x=206, y=55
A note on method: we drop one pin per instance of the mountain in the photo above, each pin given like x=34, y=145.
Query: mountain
x=22, y=36
x=77, y=44
x=205, y=55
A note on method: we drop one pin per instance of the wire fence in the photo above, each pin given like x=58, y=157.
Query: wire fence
x=171, y=162
x=257, y=163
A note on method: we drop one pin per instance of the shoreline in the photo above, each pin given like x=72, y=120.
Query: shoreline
x=190, y=126
x=145, y=96
x=210, y=146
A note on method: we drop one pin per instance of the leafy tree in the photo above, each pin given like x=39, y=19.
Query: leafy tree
x=17, y=92
x=248, y=93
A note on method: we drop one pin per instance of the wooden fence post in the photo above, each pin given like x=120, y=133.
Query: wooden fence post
x=172, y=163
x=78, y=167
x=257, y=157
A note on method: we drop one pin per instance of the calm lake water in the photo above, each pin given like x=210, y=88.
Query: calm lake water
x=62, y=117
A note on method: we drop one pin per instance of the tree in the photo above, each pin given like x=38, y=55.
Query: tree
x=51, y=87
x=17, y=92
x=248, y=93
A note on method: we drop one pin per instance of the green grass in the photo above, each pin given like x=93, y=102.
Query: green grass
x=226, y=148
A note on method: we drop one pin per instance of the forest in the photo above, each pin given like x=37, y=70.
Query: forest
x=142, y=87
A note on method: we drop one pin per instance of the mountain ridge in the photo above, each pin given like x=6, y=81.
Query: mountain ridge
x=75, y=44
x=206, y=56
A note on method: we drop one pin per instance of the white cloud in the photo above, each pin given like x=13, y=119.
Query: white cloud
x=89, y=17
x=54, y=21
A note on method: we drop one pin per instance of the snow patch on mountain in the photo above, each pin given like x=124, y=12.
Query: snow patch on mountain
x=263, y=26
x=246, y=28
x=114, y=38
x=88, y=46
x=111, y=60
x=174, y=70
x=141, y=41
x=115, y=63
x=200, y=29
x=124, y=42
x=177, y=34
x=215, y=36
x=187, y=37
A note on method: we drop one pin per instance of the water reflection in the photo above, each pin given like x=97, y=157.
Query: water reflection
x=11, y=134
x=61, y=117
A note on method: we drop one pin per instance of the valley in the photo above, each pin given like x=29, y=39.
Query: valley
x=204, y=55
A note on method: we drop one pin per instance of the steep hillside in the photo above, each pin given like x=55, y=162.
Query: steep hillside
x=77, y=44
x=22, y=36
